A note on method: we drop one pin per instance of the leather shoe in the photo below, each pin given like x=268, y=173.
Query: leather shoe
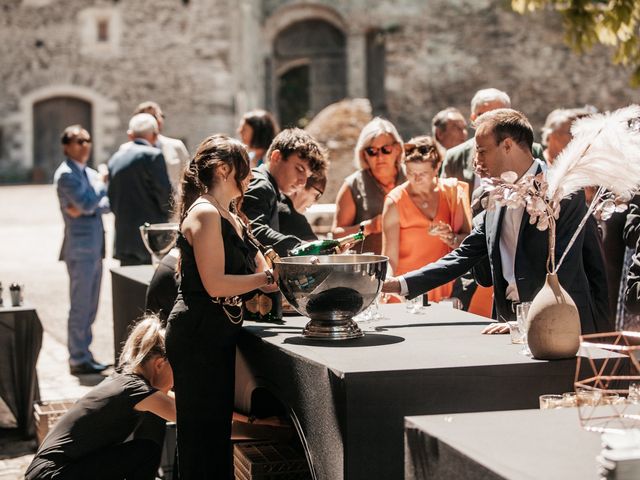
x=87, y=368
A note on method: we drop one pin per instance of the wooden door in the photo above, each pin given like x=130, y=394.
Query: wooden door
x=50, y=118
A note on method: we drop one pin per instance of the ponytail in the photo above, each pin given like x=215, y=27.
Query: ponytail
x=145, y=340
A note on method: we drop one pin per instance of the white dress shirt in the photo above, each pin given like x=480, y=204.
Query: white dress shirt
x=509, y=240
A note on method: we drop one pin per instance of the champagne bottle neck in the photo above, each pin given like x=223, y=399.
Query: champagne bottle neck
x=354, y=237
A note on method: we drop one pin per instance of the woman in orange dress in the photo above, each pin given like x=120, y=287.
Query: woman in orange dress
x=426, y=217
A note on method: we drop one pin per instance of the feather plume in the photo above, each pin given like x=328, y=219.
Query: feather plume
x=604, y=152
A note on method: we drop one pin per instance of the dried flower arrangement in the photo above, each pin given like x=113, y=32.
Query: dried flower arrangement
x=604, y=153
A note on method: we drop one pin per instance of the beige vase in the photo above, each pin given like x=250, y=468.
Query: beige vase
x=554, y=322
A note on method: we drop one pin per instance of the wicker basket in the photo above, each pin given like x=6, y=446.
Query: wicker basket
x=47, y=413
x=269, y=461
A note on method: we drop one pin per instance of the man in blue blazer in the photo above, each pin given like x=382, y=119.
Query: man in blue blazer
x=139, y=189
x=82, y=195
x=512, y=251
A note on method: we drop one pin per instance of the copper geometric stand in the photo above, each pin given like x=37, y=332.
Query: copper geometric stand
x=607, y=365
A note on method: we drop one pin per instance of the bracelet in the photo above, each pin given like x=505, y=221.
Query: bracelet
x=270, y=278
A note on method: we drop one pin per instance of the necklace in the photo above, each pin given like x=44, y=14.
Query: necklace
x=216, y=203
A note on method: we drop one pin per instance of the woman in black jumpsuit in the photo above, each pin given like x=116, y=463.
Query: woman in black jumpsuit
x=218, y=264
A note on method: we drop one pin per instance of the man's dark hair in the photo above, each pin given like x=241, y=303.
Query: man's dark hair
x=263, y=127
x=70, y=133
x=295, y=140
x=508, y=123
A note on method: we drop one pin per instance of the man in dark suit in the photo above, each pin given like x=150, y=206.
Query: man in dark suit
x=139, y=189
x=516, y=250
x=82, y=195
x=458, y=162
x=293, y=157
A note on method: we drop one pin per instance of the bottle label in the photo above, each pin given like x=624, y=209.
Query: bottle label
x=263, y=307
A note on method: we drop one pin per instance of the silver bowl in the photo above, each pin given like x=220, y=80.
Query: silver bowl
x=159, y=238
x=332, y=291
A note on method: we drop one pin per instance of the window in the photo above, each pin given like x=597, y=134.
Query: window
x=100, y=31
x=103, y=30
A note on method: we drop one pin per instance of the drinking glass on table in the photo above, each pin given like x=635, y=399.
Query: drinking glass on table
x=522, y=312
x=549, y=401
x=416, y=305
x=515, y=332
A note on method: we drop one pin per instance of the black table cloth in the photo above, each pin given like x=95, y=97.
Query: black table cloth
x=20, y=343
x=128, y=292
x=348, y=399
x=516, y=445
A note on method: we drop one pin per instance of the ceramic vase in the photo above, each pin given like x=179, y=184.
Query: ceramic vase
x=554, y=322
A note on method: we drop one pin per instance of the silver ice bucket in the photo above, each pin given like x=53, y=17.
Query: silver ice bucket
x=159, y=238
x=332, y=291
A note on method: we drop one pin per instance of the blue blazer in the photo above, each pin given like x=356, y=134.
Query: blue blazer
x=83, y=236
x=530, y=263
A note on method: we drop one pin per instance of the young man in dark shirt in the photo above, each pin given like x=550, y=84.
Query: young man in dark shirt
x=292, y=158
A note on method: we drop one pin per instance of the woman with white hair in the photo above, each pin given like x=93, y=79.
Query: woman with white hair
x=378, y=155
x=90, y=440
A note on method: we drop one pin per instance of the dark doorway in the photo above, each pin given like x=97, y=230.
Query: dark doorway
x=309, y=65
x=293, y=97
x=50, y=118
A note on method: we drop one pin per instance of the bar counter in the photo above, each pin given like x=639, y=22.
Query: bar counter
x=348, y=399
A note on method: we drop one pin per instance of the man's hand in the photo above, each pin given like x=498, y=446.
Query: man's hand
x=73, y=211
x=391, y=285
x=496, y=328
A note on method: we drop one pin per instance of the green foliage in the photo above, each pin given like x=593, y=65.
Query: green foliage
x=587, y=23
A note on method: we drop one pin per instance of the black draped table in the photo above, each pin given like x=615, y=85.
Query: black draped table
x=348, y=399
x=128, y=293
x=516, y=445
x=20, y=343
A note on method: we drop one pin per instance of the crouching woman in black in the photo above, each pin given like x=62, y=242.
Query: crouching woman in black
x=89, y=441
x=218, y=264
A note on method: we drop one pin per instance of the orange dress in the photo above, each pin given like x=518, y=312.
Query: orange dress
x=416, y=247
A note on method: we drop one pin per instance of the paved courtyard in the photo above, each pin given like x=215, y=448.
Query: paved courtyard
x=31, y=231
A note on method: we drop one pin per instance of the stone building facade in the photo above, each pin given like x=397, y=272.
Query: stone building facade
x=208, y=61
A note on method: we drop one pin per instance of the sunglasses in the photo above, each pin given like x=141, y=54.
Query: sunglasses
x=374, y=151
x=422, y=149
x=81, y=141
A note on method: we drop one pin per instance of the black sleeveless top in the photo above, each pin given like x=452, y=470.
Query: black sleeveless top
x=239, y=259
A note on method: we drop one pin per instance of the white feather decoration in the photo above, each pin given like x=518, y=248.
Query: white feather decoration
x=604, y=152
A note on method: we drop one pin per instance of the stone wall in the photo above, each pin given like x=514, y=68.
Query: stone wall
x=167, y=53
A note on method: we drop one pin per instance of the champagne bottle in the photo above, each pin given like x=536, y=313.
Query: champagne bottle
x=326, y=247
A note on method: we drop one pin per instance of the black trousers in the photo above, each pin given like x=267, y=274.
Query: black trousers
x=201, y=346
x=134, y=460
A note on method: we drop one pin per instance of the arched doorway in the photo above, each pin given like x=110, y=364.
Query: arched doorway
x=50, y=117
x=309, y=65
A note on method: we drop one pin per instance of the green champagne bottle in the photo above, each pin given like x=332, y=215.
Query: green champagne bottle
x=326, y=247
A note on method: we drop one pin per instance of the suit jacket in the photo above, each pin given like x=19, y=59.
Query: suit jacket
x=530, y=262
x=139, y=192
x=458, y=162
x=176, y=157
x=260, y=205
x=84, y=235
